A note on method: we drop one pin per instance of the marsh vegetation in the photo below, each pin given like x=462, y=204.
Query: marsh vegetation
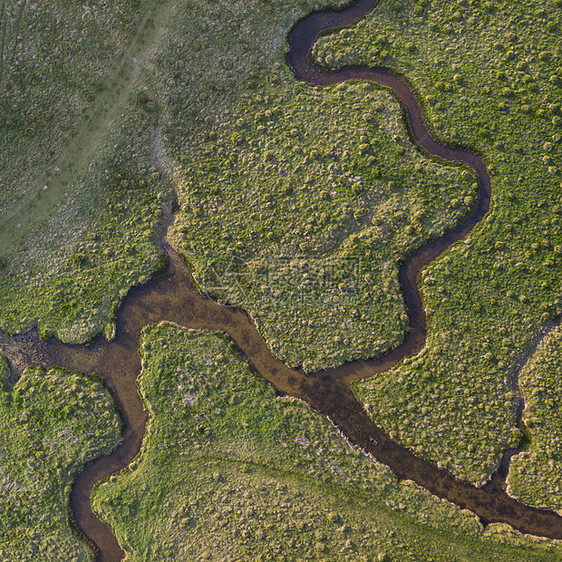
x=488, y=77
x=52, y=423
x=228, y=470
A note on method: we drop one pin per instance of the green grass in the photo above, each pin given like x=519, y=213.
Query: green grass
x=52, y=423
x=311, y=194
x=229, y=471
x=296, y=203
x=83, y=195
x=314, y=195
x=536, y=474
x=304, y=225
x=488, y=76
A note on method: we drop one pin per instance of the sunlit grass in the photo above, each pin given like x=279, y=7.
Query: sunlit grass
x=230, y=471
x=52, y=423
x=488, y=76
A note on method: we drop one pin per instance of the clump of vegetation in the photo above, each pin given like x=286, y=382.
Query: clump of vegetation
x=229, y=471
x=536, y=474
x=52, y=423
x=494, y=91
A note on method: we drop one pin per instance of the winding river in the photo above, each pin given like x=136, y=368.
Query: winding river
x=173, y=297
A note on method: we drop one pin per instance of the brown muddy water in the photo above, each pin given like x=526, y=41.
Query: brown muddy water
x=173, y=297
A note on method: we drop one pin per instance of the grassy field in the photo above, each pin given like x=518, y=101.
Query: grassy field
x=52, y=423
x=82, y=193
x=296, y=203
x=303, y=226
x=536, y=474
x=228, y=471
x=488, y=76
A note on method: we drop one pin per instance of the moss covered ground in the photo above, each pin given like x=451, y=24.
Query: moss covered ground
x=229, y=471
x=52, y=423
x=488, y=75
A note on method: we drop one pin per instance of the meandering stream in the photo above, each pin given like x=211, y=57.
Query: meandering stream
x=173, y=297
